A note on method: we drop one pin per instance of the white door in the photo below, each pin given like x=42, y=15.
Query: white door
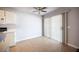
x=56, y=27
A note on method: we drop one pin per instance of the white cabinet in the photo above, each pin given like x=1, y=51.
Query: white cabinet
x=10, y=39
x=2, y=17
x=7, y=17
x=1, y=13
x=10, y=17
x=3, y=46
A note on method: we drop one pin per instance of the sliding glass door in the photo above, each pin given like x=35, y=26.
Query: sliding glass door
x=56, y=27
x=53, y=27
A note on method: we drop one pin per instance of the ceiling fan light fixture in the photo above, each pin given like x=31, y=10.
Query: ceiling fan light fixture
x=40, y=9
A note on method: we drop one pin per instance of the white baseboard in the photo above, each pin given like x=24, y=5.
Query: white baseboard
x=74, y=46
x=27, y=38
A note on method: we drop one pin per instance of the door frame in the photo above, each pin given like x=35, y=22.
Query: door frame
x=65, y=28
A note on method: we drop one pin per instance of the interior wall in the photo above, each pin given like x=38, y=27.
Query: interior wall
x=57, y=11
x=28, y=26
x=73, y=27
x=47, y=27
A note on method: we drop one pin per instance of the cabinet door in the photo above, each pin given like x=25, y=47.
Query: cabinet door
x=10, y=17
x=2, y=42
x=1, y=13
x=2, y=17
x=2, y=46
x=10, y=39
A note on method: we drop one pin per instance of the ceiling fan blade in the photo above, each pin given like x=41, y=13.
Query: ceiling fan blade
x=35, y=7
x=39, y=8
x=44, y=11
x=43, y=7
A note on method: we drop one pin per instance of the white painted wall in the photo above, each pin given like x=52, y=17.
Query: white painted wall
x=28, y=26
x=47, y=27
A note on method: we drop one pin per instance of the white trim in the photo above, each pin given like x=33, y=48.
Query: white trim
x=73, y=46
x=27, y=38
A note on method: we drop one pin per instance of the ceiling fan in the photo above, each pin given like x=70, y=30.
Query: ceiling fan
x=40, y=9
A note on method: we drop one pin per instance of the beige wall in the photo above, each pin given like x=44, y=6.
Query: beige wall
x=57, y=11
x=73, y=30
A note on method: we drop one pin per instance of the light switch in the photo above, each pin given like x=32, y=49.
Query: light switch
x=68, y=27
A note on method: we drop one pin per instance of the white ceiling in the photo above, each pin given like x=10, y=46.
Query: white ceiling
x=31, y=9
